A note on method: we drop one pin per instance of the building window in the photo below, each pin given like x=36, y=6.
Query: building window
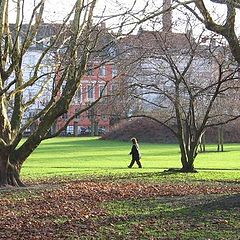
x=30, y=95
x=104, y=117
x=102, y=90
x=63, y=85
x=90, y=70
x=114, y=71
x=102, y=71
x=78, y=95
x=77, y=116
x=65, y=116
x=114, y=88
x=70, y=130
x=39, y=44
x=30, y=73
x=90, y=91
x=31, y=114
x=32, y=60
x=111, y=51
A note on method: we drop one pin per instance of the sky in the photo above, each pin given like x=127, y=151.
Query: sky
x=56, y=10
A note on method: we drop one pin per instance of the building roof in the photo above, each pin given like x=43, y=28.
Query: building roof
x=156, y=41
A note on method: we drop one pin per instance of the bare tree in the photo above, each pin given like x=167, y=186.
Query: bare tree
x=224, y=25
x=179, y=81
x=69, y=47
x=66, y=50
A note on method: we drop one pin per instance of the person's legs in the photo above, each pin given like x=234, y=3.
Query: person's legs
x=131, y=163
x=139, y=163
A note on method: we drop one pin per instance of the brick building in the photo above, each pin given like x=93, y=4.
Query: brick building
x=99, y=79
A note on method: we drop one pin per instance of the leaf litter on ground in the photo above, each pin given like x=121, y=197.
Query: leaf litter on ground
x=69, y=209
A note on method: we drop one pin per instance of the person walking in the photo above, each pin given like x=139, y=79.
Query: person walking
x=135, y=152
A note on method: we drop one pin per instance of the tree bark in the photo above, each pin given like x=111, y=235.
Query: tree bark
x=9, y=172
x=187, y=159
x=188, y=155
x=202, y=143
x=11, y=157
x=220, y=139
x=4, y=158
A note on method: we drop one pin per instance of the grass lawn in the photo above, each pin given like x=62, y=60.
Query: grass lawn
x=91, y=156
x=86, y=191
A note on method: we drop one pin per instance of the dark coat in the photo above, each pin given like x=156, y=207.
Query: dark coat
x=136, y=155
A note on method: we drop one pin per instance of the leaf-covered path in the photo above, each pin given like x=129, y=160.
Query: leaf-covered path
x=76, y=209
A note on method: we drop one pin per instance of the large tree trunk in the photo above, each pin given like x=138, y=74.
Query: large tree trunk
x=5, y=137
x=9, y=172
x=188, y=151
x=188, y=167
x=14, y=175
x=4, y=158
x=187, y=160
x=76, y=57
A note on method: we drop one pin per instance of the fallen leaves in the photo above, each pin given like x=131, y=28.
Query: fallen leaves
x=66, y=210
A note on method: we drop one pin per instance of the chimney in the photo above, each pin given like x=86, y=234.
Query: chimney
x=167, y=16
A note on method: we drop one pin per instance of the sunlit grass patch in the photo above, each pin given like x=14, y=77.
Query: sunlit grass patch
x=82, y=157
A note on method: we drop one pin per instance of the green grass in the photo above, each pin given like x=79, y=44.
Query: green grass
x=74, y=156
x=200, y=216
x=174, y=218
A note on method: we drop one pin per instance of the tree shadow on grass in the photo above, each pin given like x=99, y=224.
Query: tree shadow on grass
x=225, y=202
x=219, y=169
x=175, y=212
x=215, y=151
x=104, y=173
x=141, y=176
